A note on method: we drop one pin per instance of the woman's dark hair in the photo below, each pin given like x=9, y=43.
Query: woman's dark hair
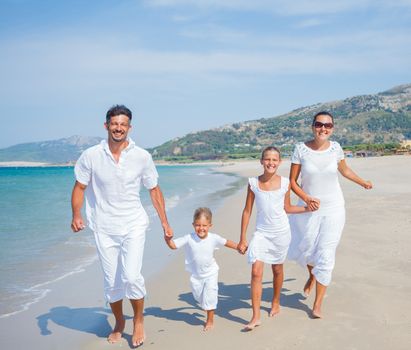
x=323, y=113
x=118, y=110
x=270, y=148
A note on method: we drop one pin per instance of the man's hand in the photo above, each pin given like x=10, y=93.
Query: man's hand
x=77, y=224
x=168, y=232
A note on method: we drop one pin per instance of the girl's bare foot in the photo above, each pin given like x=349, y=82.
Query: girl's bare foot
x=275, y=309
x=252, y=324
x=117, y=333
x=317, y=312
x=139, y=336
x=309, y=285
x=208, y=326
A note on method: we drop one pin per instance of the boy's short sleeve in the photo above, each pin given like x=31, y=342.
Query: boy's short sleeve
x=82, y=169
x=181, y=241
x=219, y=241
x=150, y=174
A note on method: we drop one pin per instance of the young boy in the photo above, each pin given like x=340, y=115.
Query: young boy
x=200, y=262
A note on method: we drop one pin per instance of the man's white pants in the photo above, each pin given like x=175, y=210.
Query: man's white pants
x=205, y=291
x=121, y=258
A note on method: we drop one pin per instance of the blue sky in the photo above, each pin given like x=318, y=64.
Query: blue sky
x=188, y=65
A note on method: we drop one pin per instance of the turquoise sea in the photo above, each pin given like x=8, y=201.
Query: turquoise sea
x=38, y=246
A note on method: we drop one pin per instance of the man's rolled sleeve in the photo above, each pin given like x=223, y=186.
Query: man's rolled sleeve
x=150, y=174
x=82, y=170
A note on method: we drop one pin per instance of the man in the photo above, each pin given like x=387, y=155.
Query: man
x=109, y=176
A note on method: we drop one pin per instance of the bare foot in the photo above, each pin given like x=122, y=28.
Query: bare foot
x=309, y=285
x=139, y=336
x=275, y=309
x=252, y=324
x=208, y=326
x=117, y=333
x=316, y=313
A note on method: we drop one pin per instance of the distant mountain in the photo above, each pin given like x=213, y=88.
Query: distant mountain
x=55, y=151
x=378, y=118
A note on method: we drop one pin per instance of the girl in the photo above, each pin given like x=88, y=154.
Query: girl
x=315, y=236
x=271, y=239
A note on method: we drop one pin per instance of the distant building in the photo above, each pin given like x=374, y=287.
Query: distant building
x=405, y=147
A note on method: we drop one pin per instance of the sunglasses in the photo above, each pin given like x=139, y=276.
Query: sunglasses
x=319, y=125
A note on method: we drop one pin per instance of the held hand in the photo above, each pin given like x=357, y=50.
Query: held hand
x=313, y=203
x=77, y=224
x=168, y=232
x=242, y=247
x=367, y=185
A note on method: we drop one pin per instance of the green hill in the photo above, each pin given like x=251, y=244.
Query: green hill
x=370, y=119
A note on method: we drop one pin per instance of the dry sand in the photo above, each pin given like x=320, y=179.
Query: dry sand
x=367, y=305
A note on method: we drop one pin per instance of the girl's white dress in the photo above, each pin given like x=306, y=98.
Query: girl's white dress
x=315, y=235
x=271, y=239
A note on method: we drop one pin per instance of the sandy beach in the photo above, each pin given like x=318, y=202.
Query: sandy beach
x=367, y=304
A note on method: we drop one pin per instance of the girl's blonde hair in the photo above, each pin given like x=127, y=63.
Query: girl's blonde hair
x=270, y=148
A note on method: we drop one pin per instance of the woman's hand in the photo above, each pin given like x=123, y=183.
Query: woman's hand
x=367, y=185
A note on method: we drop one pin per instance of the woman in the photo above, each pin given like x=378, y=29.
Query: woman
x=316, y=234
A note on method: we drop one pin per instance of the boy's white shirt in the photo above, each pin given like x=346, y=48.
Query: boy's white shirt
x=199, y=253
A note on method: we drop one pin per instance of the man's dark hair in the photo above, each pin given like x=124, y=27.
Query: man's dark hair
x=117, y=110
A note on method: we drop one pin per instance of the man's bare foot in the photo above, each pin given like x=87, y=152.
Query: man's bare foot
x=275, y=309
x=309, y=285
x=208, y=326
x=139, y=336
x=316, y=313
x=117, y=333
x=252, y=324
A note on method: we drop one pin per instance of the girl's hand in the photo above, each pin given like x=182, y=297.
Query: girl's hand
x=367, y=185
x=242, y=247
x=313, y=203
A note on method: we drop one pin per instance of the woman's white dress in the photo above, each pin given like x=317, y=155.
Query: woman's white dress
x=271, y=239
x=315, y=235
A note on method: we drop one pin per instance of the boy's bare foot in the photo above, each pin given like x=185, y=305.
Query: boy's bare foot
x=252, y=324
x=275, y=309
x=208, y=326
x=117, y=333
x=139, y=336
x=309, y=285
x=316, y=313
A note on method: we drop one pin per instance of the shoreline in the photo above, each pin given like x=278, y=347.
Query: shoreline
x=221, y=163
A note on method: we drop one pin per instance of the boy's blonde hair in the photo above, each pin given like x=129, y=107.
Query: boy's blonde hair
x=203, y=211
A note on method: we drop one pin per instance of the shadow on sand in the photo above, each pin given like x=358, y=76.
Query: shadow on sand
x=231, y=298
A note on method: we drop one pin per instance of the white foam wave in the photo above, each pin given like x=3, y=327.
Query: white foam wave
x=172, y=201
x=39, y=292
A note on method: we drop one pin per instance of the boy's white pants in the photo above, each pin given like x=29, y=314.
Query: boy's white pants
x=205, y=291
x=121, y=258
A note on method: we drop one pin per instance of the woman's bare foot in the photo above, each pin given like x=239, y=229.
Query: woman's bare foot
x=139, y=336
x=208, y=326
x=252, y=324
x=117, y=333
x=275, y=309
x=309, y=285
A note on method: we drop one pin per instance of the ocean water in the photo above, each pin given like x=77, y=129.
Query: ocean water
x=39, y=248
